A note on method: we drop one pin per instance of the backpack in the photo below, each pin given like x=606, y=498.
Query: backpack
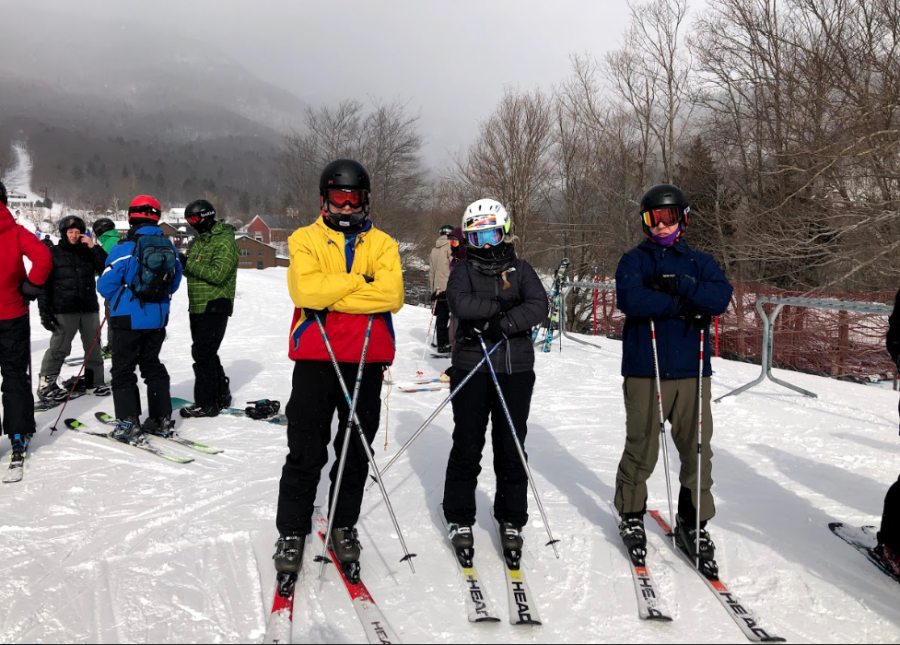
x=156, y=258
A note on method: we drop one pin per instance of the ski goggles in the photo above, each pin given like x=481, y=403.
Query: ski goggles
x=453, y=241
x=195, y=218
x=145, y=209
x=340, y=197
x=667, y=216
x=492, y=236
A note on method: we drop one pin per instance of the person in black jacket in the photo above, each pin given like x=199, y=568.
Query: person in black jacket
x=68, y=305
x=499, y=298
x=889, y=536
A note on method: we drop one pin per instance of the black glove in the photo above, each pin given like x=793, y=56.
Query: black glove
x=368, y=279
x=311, y=314
x=696, y=319
x=30, y=290
x=48, y=320
x=490, y=330
x=666, y=283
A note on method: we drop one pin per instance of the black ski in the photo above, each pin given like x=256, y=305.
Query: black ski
x=143, y=444
x=16, y=469
x=103, y=417
x=738, y=611
x=864, y=539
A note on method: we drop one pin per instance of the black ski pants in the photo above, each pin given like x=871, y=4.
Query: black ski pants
x=442, y=321
x=207, y=332
x=133, y=348
x=890, y=521
x=18, y=400
x=316, y=393
x=472, y=407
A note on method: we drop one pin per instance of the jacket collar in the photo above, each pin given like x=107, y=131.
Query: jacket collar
x=338, y=236
x=680, y=247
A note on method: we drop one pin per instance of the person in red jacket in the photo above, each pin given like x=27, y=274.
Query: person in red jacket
x=17, y=289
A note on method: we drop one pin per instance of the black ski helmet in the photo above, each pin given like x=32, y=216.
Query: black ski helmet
x=103, y=225
x=663, y=195
x=446, y=229
x=200, y=207
x=71, y=221
x=349, y=175
x=4, y=199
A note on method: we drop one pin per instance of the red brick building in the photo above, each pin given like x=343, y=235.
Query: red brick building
x=267, y=229
x=257, y=255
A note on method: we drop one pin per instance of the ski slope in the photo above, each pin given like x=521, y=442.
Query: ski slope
x=104, y=543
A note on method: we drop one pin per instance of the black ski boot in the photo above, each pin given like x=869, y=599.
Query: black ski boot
x=511, y=541
x=631, y=530
x=686, y=538
x=262, y=409
x=160, y=426
x=224, y=393
x=345, y=546
x=463, y=542
x=289, y=553
x=127, y=430
x=19, y=446
x=197, y=411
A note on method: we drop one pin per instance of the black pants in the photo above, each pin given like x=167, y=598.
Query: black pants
x=18, y=401
x=442, y=321
x=473, y=405
x=890, y=521
x=207, y=332
x=315, y=395
x=134, y=348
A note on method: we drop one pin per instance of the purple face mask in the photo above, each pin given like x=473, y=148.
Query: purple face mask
x=666, y=240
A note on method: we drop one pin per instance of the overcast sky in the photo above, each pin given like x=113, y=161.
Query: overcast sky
x=449, y=58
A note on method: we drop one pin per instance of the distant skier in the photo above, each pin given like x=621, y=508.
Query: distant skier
x=680, y=289
x=47, y=242
x=498, y=297
x=17, y=289
x=68, y=307
x=457, y=254
x=438, y=275
x=210, y=266
x=342, y=271
x=889, y=535
x=141, y=275
x=107, y=236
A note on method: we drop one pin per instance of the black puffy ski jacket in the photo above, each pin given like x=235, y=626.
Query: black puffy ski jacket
x=477, y=296
x=71, y=287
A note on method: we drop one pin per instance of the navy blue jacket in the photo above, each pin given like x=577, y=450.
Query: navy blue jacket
x=703, y=287
x=126, y=311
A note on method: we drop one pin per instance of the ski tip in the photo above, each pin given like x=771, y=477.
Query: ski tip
x=487, y=619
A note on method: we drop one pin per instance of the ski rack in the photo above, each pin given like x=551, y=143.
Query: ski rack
x=768, y=334
x=565, y=288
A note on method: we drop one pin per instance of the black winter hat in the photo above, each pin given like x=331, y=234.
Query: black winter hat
x=4, y=199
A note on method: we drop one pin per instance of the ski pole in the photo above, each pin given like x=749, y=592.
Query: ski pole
x=515, y=439
x=699, y=445
x=352, y=420
x=662, y=427
x=75, y=383
x=430, y=419
x=430, y=323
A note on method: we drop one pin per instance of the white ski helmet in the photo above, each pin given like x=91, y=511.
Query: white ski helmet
x=485, y=214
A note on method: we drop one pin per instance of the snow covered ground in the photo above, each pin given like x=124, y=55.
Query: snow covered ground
x=104, y=543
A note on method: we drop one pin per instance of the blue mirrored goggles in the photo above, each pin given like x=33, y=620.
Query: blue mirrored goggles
x=492, y=236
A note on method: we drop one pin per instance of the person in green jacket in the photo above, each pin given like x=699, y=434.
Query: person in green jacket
x=210, y=267
x=106, y=236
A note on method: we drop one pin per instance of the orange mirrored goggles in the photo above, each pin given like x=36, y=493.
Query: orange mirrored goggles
x=453, y=241
x=668, y=215
x=340, y=197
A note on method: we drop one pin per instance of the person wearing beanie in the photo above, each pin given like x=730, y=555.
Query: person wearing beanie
x=210, y=266
x=68, y=306
x=139, y=312
x=676, y=289
x=17, y=290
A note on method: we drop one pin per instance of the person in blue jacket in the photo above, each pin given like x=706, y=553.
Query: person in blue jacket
x=680, y=289
x=139, y=294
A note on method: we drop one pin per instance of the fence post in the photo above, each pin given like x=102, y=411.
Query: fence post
x=596, y=279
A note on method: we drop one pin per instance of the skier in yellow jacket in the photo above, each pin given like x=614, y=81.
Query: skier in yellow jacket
x=342, y=270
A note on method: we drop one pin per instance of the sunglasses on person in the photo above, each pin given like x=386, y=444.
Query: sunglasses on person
x=340, y=197
x=667, y=216
x=492, y=236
